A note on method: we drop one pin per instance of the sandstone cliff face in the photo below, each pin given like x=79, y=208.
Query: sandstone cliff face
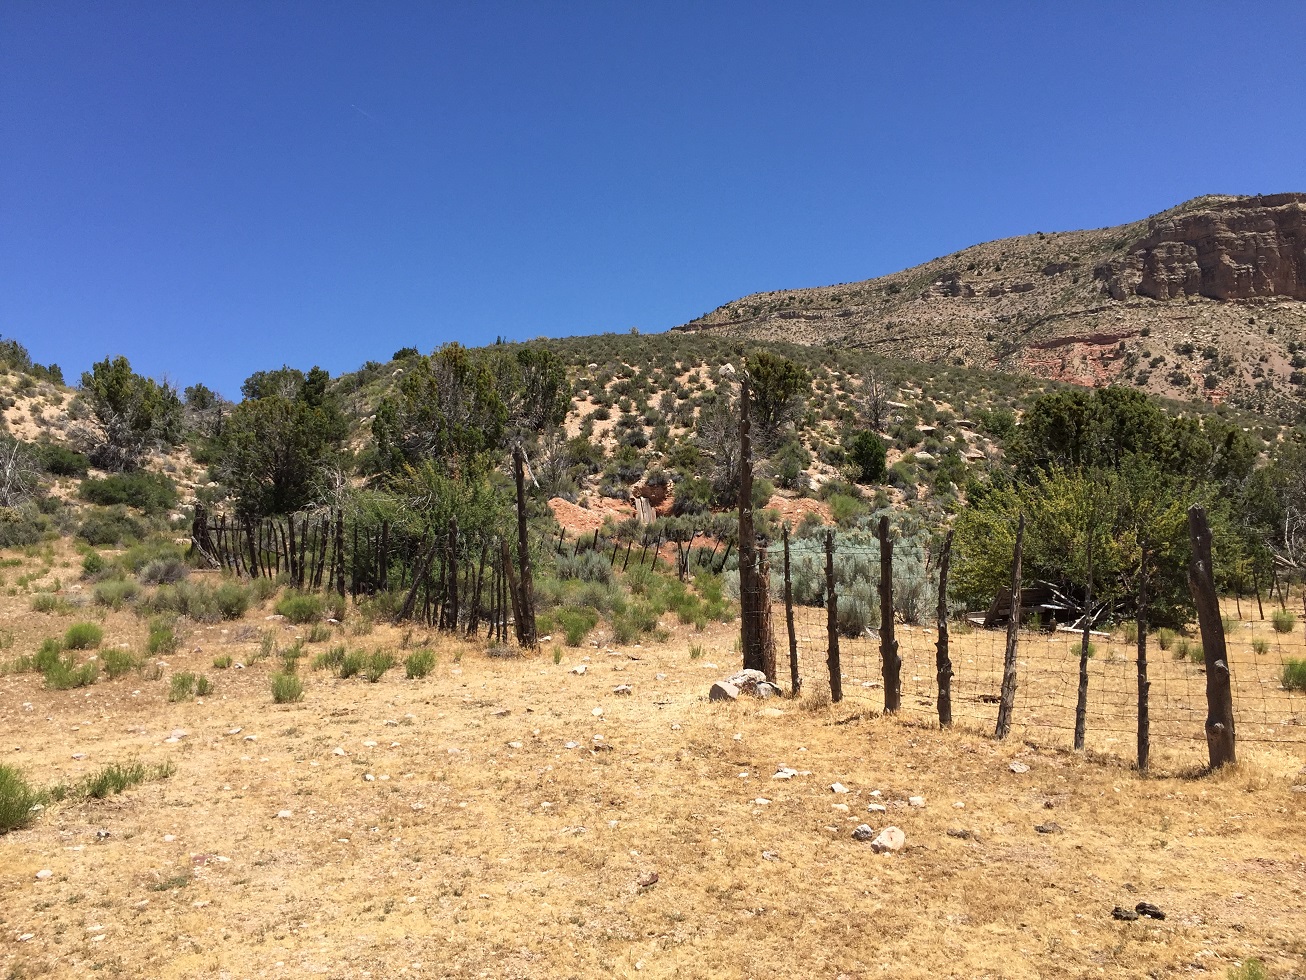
x=1245, y=249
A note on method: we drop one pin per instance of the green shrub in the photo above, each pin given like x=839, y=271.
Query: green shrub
x=1251, y=969
x=377, y=664
x=1260, y=647
x=119, y=662
x=576, y=624
x=117, y=777
x=1283, y=621
x=290, y=657
x=162, y=635
x=58, y=461
x=150, y=493
x=318, y=633
x=330, y=660
x=223, y=662
x=64, y=674
x=232, y=599
x=419, y=663
x=48, y=602
x=83, y=636
x=1129, y=632
x=194, y=600
x=164, y=571
x=93, y=564
x=846, y=510
x=1230, y=624
x=203, y=686
x=116, y=592
x=300, y=607
x=1294, y=674
x=22, y=526
x=262, y=589
x=351, y=664
x=287, y=688
x=16, y=800
x=1165, y=638
x=182, y=687
x=109, y=527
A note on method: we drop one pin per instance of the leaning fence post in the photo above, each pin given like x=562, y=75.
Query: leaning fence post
x=832, y=621
x=1081, y=699
x=1219, y=695
x=1008, y=698
x=526, y=627
x=890, y=662
x=1144, y=685
x=942, y=660
x=795, y=682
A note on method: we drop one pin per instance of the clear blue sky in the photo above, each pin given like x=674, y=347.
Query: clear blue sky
x=212, y=188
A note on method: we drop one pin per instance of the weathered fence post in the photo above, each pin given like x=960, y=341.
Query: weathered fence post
x=890, y=661
x=1081, y=699
x=526, y=600
x=451, y=603
x=1219, y=694
x=942, y=659
x=514, y=593
x=795, y=682
x=832, y=622
x=748, y=618
x=1144, y=685
x=765, y=634
x=1008, y=698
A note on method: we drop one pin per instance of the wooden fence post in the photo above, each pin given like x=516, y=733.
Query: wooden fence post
x=1081, y=699
x=795, y=682
x=749, y=625
x=1220, y=741
x=1008, y=698
x=832, y=622
x=942, y=659
x=1144, y=685
x=513, y=593
x=526, y=600
x=890, y=661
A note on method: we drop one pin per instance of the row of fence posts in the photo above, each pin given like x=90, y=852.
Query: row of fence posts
x=758, y=644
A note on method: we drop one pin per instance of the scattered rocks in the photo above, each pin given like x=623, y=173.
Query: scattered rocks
x=1124, y=915
x=649, y=880
x=784, y=772
x=1149, y=910
x=890, y=840
x=751, y=682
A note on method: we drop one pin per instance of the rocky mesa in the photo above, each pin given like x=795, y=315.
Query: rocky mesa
x=1205, y=300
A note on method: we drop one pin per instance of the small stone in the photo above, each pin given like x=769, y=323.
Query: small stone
x=959, y=805
x=1124, y=915
x=770, y=856
x=675, y=726
x=838, y=788
x=514, y=745
x=368, y=777
x=917, y=801
x=25, y=937
x=1018, y=767
x=1149, y=910
x=251, y=738
x=169, y=838
x=659, y=677
x=863, y=832
x=44, y=874
x=338, y=751
x=622, y=690
x=79, y=755
x=961, y=834
x=179, y=733
x=841, y=807
x=723, y=691
x=762, y=801
x=890, y=839
x=234, y=731
x=284, y=814
x=1051, y=827
x=877, y=808
x=785, y=773
x=369, y=744
x=579, y=669
x=571, y=745
x=597, y=712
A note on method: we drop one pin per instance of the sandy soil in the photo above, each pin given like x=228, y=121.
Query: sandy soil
x=523, y=820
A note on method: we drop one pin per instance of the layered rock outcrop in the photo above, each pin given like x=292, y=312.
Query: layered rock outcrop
x=1244, y=249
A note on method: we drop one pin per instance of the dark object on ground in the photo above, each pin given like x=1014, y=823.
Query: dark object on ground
x=1149, y=910
x=1124, y=915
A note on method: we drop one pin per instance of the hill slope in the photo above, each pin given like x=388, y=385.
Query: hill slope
x=1206, y=300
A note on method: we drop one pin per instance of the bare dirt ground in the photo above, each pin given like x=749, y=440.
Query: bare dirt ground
x=512, y=818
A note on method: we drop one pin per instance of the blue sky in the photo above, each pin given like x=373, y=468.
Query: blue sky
x=215, y=188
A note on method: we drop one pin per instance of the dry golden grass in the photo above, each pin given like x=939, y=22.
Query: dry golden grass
x=501, y=837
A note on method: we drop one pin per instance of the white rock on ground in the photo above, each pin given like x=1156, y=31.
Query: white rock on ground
x=889, y=840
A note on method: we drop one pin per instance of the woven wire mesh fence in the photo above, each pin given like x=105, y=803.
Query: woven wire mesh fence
x=1268, y=709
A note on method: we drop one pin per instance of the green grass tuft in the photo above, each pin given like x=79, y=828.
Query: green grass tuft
x=83, y=636
x=419, y=663
x=287, y=688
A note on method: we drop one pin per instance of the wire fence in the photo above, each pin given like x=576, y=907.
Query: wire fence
x=1266, y=710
